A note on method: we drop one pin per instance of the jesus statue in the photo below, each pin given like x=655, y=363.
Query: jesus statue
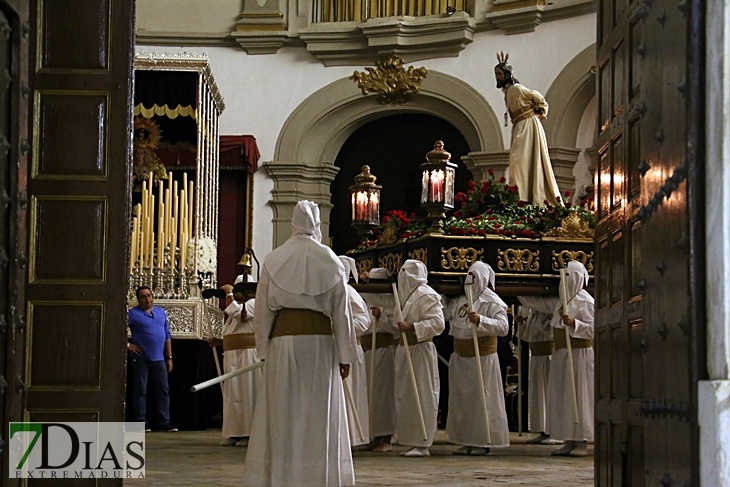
x=529, y=161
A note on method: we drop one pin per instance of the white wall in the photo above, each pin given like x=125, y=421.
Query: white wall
x=262, y=90
x=585, y=140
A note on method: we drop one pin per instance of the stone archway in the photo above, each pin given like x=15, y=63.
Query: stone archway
x=303, y=165
x=568, y=97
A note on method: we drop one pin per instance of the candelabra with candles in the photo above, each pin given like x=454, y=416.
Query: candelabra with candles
x=365, y=203
x=159, y=254
x=437, y=185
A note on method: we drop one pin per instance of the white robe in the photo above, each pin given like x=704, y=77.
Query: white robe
x=358, y=377
x=529, y=161
x=465, y=423
x=383, y=388
x=561, y=423
x=299, y=435
x=239, y=393
x=536, y=328
x=423, y=309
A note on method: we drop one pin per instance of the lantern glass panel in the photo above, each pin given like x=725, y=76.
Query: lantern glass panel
x=353, y=206
x=424, y=187
x=449, y=187
x=374, y=207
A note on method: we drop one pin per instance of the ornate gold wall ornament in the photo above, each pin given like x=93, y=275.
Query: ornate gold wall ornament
x=561, y=259
x=459, y=258
x=389, y=236
x=572, y=226
x=518, y=260
x=419, y=254
x=364, y=265
x=391, y=262
x=390, y=80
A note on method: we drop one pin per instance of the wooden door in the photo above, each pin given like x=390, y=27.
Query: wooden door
x=14, y=17
x=78, y=206
x=646, y=333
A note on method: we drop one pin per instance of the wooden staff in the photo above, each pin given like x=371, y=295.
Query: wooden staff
x=570, y=347
x=351, y=403
x=398, y=319
x=372, y=375
x=210, y=334
x=519, y=374
x=470, y=299
x=442, y=359
x=227, y=376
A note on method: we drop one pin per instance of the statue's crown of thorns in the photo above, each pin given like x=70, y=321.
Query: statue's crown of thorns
x=502, y=57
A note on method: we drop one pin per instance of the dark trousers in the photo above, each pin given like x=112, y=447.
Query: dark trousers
x=150, y=377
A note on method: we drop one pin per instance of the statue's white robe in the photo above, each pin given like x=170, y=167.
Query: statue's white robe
x=561, y=422
x=239, y=393
x=465, y=423
x=529, y=161
x=536, y=328
x=300, y=433
x=358, y=377
x=384, y=386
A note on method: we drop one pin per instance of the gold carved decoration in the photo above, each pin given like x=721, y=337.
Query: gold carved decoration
x=459, y=258
x=572, y=226
x=561, y=259
x=146, y=139
x=419, y=254
x=392, y=262
x=390, y=80
x=389, y=236
x=518, y=260
x=364, y=265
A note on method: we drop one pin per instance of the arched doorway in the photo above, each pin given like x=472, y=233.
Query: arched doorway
x=393, y=147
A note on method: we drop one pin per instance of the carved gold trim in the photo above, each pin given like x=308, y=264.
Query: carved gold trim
x=459, y=258
x=419, y=254
x=29, y=344
x=572, y=226
x=364, y=265
x=561, y=259
x=518, y=260
x=392, y=262
x=389, y=236
x=390, y=80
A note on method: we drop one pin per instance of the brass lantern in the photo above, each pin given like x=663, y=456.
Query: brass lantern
x=437, y=185
x=365, y=203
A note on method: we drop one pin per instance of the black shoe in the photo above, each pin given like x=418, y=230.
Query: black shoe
x=168, y=428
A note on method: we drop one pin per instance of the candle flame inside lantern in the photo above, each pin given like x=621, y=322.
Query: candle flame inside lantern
x=362, y=205
x=437, y=185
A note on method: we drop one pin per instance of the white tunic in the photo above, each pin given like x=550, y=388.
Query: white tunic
x=239, y=393
x=299, y=435
x=529, y=161
x=358, y=377
x=383, y=420
x=536, y=328
x=423, y=309
x=465, y=423
x=561, y=422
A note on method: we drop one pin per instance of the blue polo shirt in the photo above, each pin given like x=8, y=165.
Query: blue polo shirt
x=149, y=331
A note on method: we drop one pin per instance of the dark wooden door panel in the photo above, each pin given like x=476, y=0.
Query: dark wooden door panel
x=644, y=330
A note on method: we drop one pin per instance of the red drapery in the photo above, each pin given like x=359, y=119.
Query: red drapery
x=239, y=150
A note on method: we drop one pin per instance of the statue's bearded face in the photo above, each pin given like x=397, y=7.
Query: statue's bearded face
x=502, y=78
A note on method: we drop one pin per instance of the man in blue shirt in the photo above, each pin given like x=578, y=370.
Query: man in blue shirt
x=150, y=359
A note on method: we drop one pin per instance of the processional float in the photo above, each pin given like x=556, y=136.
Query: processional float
x=174, y=225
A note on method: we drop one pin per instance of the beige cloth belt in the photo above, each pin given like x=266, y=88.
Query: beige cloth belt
x=541, y=349
x=301, y=322
x=523, y=114
x=465, y=348
x=412, y=339
x=238, y=341
x=561, y=342
x=358, y=341
x=382, y=340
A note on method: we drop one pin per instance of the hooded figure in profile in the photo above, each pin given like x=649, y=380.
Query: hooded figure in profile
x=302, y=323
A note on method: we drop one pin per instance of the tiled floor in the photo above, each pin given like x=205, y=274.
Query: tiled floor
x=195, y=459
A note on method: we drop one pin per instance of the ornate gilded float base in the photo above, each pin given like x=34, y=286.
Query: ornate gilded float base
x=186, y=317
x=459, y=258
x=518, y=260
x=561, y=259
